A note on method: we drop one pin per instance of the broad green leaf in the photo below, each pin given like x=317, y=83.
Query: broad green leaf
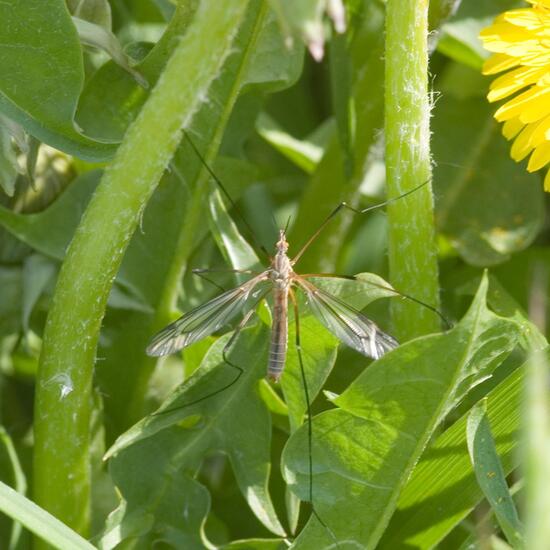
x=425, y=513
x=162, y=504
x=39, y=521
x=489, y=473
x=487, y=205
x=34, y=58
x=201, y=416
x=443, y=489
x=364, y=452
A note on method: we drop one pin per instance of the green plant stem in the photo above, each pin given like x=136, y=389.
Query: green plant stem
x=64, y=382
x=412, y=250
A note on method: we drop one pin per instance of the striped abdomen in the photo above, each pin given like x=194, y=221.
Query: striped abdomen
x=279, y=334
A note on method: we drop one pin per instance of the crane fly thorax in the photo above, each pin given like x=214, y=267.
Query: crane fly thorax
x=281, y=270
x=281, y=267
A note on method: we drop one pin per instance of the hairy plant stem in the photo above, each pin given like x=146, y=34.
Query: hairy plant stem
x=412, y=248
x=64, y=382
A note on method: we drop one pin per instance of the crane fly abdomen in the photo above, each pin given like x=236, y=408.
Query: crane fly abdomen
x=279, y=334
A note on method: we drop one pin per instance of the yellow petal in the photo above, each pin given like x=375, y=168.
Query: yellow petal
x=527, y=17
x=513, y=81
x=507, y=38
x=539, y=158
x=499, y=62
x=529, y=106
x=541, y=132
x=522, y=144
x=540, y=3
x=547, y=182
x=511, y=128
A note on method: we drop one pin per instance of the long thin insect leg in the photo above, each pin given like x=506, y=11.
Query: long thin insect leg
x=309, y=418
x=448, y=324
x=225, y=192
x=200, y=273
x=200, y=270
x=343, y=205
x=225, y=351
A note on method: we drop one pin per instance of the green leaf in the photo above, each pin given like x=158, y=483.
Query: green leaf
x=487, y=204
x=198, y=418
x=34, y=58
x=51, y=230
x=443, y=489
x=39, y=521
x=489, y=473
x=364, y=452
x=97, y=36
x=159, y=505
x=235, y=250
x=94, y=11
x=305, y=154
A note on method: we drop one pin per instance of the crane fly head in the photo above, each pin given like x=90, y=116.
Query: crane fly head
x=282, y=244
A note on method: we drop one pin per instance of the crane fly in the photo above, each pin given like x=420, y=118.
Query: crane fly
x=280, y=280
x=346, y=323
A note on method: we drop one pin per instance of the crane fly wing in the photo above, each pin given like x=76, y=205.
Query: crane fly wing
x=346, y=323
x=206, y=318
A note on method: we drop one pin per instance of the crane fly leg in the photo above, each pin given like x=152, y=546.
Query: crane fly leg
x=309, y=416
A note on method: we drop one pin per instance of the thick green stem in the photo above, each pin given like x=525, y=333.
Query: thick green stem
x=412, y=249
x=64, y=384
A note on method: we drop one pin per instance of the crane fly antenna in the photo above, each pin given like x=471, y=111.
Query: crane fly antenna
x=226, y=194
x=287, y=225
x=343, y=205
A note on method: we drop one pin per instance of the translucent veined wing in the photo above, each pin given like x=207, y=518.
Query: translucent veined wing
x=346, y=323
x=207, y=318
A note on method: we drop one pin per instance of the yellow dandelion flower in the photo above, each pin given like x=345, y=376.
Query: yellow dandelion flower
x=520, y=41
